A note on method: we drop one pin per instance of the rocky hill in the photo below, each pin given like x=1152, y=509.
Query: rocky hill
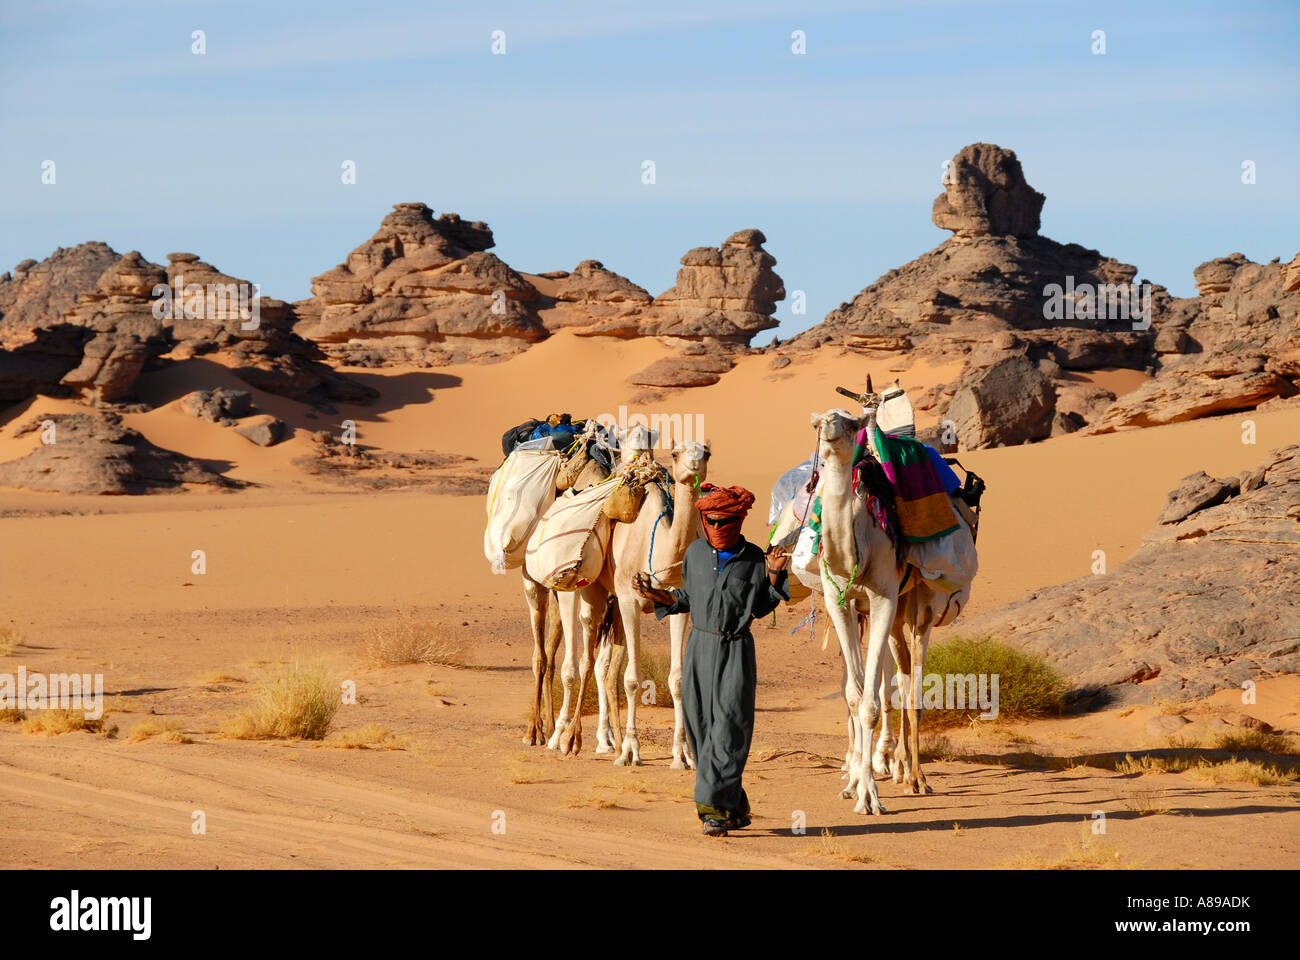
x=1210, y=599
x=1025, y=314
x=88, y=322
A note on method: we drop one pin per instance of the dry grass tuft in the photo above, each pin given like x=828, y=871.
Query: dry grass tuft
x=11, y=715
x=594, y=802
x=935, y=746
x=1142, y=766
x=294, y=703
x=1256, y=740
x=1092, y=853
x=54, y=722
x=172, y=731
x=10, y=640
x=1243, y=771
x=1146, y=801
x=408, y=641
x=372, y=736
x=831, y=847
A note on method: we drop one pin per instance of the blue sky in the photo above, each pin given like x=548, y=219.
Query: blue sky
x=836, y=155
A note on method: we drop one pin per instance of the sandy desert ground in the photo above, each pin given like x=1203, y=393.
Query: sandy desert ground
x=300, y=566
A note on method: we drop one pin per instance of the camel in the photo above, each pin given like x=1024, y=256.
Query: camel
x=860, y=576
x=655, y=543
x=583, y=615
x=545, y=617
x=883, y=758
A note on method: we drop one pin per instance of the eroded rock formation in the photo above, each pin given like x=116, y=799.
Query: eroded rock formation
x=1210, y=599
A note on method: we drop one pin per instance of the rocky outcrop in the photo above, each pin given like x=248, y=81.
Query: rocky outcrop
x=1232, y=348
x=37, y=295
x=1210, y=599
x=57, y=323
x=218, y=406
x=264, y=430
x=421, y=291
x=94, y=453
x=997, y=287
x=985, y=193
x=1008, y=402
x=683, y=371
x=124, y=334
x=64, y=333
x=724, y=295
x=1291, y=275
x=592, y=294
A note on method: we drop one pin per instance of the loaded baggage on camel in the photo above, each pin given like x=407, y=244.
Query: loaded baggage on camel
x=567, y=549
x=527, y=482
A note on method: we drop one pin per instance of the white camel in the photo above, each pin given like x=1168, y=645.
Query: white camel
x=860, y=577
x=790, y=523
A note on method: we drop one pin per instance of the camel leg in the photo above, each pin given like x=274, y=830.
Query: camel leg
x=849, y=720
x=885, y=743
x=608, y=705
x=677, y=645
x=568, y=606
x=844, y=619
x=536, y=596
x=591, y=616
x=882, y=618
x=554, y=634
x=901, y=763
x=922, y=621
x=630, y=610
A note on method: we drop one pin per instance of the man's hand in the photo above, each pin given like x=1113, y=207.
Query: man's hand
x=643, y=585
x=777, y=559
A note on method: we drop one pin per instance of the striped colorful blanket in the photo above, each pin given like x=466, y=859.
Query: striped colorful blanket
x=924, y=510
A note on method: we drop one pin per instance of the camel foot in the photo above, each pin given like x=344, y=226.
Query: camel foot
x=604, y=747
x=554, y=742
x=682, y=761
x=875, y=809
x=880, y=765
x=848, y=794
x=631, y=754
x=571, y=740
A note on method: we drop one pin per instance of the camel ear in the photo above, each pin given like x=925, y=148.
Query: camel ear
x=813, y=418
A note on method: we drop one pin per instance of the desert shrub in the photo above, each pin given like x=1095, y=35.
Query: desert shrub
x=1028, y=686
x=54, y=722
x=296, y=702
x=408, y=641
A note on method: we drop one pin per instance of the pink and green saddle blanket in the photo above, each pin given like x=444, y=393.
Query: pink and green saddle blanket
x=922, y=482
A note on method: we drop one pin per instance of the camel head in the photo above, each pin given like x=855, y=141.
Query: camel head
x=837, y=432
x=690, y=462
x=635, y=441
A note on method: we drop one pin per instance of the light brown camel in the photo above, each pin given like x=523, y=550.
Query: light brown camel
x=583, y=620
x=655, y=542
x=860, y=577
